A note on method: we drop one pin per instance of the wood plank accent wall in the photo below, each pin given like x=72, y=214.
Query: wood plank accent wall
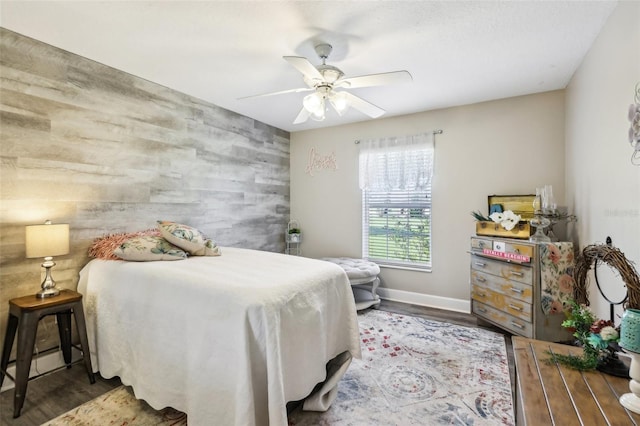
x=105, y=151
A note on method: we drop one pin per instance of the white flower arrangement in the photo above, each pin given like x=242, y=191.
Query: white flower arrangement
x=507, y=219
x=609, y=333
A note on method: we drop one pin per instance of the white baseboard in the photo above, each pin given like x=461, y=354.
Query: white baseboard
x=420, y=299
x=41, y=365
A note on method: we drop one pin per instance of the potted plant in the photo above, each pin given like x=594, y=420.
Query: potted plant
x=294, y=235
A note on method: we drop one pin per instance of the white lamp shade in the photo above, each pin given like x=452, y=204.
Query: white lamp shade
x=47, y=240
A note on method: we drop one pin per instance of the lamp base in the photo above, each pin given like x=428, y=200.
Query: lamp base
x=48, y=285
x=47, y=292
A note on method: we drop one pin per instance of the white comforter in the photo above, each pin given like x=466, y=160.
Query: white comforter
x=229, y=340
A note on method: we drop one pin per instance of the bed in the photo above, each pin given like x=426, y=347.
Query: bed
x=228, y=339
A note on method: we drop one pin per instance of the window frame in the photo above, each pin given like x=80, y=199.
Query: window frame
x=379, y=202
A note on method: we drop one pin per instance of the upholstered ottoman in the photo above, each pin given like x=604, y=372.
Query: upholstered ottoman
x=363, y=276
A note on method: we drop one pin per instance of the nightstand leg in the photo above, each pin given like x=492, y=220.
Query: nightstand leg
x=64, y=329
x=78, y=313
x=12, y=326
x=26, y=340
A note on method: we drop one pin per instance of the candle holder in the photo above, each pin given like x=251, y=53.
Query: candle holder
x=631, y=401
x=539, y=222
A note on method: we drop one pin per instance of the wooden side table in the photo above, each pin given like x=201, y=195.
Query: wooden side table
x=24, y=315
x=552, y=394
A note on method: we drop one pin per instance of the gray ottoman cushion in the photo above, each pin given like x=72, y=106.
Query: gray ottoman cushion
x=359, y=271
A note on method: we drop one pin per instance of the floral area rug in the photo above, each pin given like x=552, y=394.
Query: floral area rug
x=413, y=371
x=119, y=407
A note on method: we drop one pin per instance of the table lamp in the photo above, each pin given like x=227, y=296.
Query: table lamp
x=46, y=241
x=630, y=342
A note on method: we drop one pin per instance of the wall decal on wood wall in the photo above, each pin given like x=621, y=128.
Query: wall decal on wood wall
x=318, y=162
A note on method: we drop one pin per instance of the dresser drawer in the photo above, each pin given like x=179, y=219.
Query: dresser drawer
x=479, y=244
x=506, y=270
x=515, y=307
x=510, y=288
x=502, y=319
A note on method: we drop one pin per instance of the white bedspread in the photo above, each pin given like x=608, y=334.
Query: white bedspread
x=229, y=340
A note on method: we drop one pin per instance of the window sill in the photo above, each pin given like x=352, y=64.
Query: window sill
x=405, y=268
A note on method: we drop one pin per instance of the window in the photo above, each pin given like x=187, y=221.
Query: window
x=395, y=178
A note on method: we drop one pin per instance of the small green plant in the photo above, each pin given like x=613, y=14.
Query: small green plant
x=294, y=230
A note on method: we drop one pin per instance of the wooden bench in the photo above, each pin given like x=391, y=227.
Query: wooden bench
x=552, y=394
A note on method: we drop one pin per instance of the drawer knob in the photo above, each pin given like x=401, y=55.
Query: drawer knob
x=515, y=308
x=481, y=264
x=517, y=274
x=517, y=290
x=484, y=311
x=482, y=279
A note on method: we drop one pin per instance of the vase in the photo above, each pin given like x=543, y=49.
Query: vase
x=630, y=330
x=630, y=342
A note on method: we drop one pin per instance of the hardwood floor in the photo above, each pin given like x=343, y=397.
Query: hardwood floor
x=54, y=394
x=58, y=392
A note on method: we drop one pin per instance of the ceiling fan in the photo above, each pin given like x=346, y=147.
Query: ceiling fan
x=325, y=81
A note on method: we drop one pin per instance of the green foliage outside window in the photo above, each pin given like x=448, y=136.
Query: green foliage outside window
x=400, y=234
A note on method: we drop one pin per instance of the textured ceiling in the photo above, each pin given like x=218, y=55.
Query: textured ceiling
x=459, y=52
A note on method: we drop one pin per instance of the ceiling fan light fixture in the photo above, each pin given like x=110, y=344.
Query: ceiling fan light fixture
x=314, y=103
x=317, y=116
x=340, y=102
x=329, y=73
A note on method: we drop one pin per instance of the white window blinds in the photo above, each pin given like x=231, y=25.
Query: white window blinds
x=395, y=178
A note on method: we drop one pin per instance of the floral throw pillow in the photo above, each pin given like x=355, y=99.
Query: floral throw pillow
x=149, y=248
x=189, y=239
x=103, y=247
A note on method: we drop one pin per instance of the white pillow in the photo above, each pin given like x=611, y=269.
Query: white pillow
x=149, y=248
x=189, y=239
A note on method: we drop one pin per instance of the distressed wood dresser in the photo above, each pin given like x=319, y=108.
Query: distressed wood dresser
x=518, y=288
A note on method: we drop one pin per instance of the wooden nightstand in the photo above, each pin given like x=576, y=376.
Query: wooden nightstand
x=24, y=315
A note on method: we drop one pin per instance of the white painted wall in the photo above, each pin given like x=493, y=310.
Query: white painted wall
x=508, y=146
x=604, y=186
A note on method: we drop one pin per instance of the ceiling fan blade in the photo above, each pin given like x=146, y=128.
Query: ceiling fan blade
x=302, y=89
x=363, y=106
x=370, y=80
x=302, y=116
x=304, y=66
